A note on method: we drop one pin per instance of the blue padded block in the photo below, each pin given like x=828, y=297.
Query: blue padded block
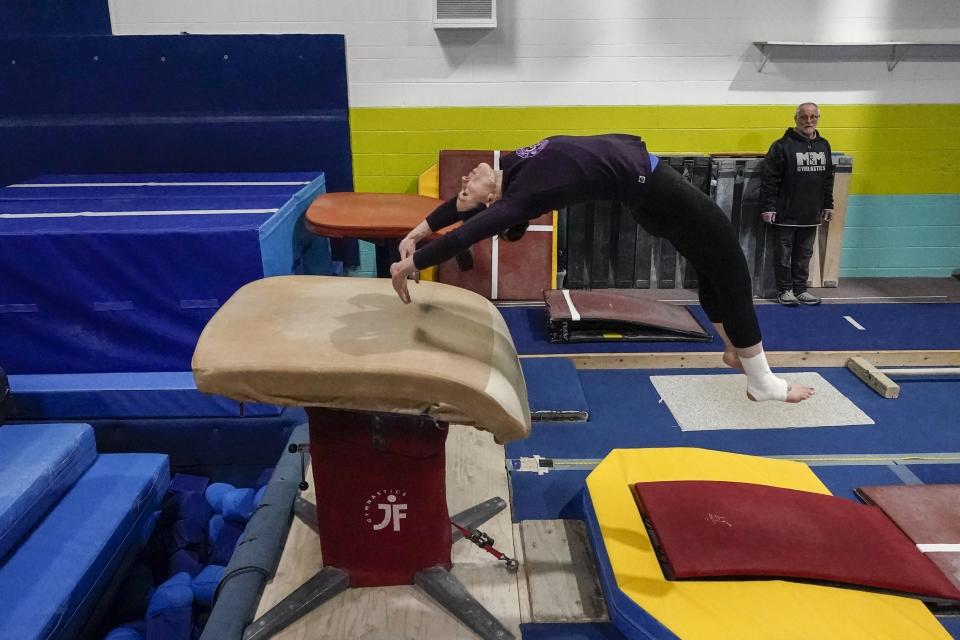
x=238, y=505
x=215, y=494
x=185, y=535
x=223, y=535
x=192, y=507
x=553, y=389
x=38, y=464
x=184, y=561
x=51, y=582
x=185, y=482
x=123, y=633
x=91, y=396
x=170, y=614
x=205, y=583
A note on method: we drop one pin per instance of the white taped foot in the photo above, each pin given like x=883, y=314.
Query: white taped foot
x=768, y=388
x=761, y=383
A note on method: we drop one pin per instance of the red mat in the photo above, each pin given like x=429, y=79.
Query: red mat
x=929, y=514
x=732, y=529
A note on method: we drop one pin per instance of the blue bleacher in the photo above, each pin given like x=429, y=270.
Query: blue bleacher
x=75, y=516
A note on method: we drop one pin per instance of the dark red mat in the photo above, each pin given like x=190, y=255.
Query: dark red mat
x=733, y=529
x=627, y=313
x=928, y=514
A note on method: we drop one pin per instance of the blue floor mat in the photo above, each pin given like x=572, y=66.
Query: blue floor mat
x=820, y=328
x=38, y=464
x=936, y=473
x=553, y=389
x=51, y=582
x=626, y=412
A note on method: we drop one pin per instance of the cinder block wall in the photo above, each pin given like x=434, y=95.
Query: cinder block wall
x=683, y=74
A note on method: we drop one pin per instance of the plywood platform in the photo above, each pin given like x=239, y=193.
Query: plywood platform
x=475, y=472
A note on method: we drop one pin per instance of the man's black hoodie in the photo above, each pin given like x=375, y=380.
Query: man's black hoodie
x=797, y=179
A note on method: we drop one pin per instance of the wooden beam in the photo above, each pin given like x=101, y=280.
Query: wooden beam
x=875, y=379
x=711, y=359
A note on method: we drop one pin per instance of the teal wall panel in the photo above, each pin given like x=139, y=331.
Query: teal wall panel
x=901, y=235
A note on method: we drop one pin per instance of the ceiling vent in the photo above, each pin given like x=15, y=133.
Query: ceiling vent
x=464, y=14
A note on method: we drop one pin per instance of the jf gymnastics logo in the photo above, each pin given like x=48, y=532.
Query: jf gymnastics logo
x=383, y=509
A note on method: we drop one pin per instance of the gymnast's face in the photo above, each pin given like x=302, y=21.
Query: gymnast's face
x=477, y=188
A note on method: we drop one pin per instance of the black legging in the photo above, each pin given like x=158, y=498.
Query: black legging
x=698, y=228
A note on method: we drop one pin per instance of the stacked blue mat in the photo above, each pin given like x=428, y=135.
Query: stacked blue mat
x=69, y=519
x=120, y=272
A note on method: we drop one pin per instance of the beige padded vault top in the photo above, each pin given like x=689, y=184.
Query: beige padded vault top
x=349, y=343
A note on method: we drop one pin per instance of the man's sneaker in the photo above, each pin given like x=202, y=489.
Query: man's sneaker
x=787, y=299
x=807, y=298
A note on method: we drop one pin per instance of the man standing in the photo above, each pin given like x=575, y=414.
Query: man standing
x=796, y=193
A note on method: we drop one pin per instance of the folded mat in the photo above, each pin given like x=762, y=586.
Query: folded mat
x=349, y=343
x=51, y=582
x=736, y=529
x=617, y=314
x=929, y=515
x=38, y=463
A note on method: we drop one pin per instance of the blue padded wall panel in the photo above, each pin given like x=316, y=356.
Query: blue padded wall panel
x=63, y=17
x=167, y=74
x=106, y=104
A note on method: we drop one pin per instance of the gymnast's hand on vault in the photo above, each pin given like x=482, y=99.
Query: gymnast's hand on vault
x=399, y=272
x=407, y=247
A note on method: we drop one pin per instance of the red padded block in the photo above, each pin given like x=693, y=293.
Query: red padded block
x=728, y=529
x=381, y=494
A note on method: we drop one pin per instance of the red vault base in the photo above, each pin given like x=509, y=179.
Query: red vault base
x=381, y=494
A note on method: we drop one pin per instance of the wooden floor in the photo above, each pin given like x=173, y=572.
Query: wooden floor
x=475, y=472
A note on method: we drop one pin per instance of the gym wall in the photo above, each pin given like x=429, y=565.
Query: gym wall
x=683, y=74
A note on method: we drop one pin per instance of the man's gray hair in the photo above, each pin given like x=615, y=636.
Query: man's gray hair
x=801, y=106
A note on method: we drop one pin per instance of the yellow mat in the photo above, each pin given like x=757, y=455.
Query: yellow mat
x=735, y=610
x=349, y=343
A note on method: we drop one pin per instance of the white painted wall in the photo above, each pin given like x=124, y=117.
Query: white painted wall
x=604, y=52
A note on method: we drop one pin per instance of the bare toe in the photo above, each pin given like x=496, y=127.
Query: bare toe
x=799, y=393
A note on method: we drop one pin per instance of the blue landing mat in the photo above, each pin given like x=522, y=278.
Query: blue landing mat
x=626, y=412
x=553, y=389
x=820, y=328
x=96, y=283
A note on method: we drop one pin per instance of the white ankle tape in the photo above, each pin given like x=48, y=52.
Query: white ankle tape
x=770, y=387
x=761, y=383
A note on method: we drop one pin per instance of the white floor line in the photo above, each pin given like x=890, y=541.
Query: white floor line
x=854, y=323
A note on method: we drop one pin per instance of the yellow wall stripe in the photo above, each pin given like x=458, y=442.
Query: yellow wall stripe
x=897, y=149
